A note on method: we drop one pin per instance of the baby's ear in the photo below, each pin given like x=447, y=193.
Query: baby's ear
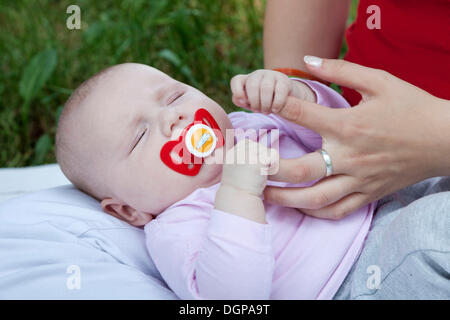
x=125, y=213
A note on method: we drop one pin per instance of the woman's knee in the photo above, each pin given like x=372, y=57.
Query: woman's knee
x=425, y=223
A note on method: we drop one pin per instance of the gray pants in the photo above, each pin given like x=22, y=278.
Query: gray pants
x=407, y=252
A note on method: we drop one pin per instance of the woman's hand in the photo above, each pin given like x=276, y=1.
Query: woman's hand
x=398, y=135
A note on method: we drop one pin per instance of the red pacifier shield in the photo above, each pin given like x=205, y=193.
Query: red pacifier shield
x=197, y=141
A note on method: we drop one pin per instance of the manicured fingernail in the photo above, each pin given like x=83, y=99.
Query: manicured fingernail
x=241, y=101
x=313, y=61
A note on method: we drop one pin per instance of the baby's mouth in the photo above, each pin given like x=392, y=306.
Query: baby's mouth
x=197, y=141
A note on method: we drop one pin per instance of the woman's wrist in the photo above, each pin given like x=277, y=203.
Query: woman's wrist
x=440, y=153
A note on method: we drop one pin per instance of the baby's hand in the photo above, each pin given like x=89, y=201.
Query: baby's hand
x=266, y=91
x=247, y=166
x=244, y=178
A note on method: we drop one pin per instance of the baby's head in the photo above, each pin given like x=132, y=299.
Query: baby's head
x=110, y=134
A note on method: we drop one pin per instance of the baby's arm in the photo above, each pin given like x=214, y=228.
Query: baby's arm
x=244, y=204
x=224, y=252
x=205, y=253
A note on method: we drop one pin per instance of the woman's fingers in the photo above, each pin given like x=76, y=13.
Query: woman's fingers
x=306, y=168
x=366, y=81
x=341, y=208
x=315, y=117
x=320, y=195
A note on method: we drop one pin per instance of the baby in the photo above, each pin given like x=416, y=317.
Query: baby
x=124, y=137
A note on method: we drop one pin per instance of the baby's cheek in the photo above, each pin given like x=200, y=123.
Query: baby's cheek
x=170, y=189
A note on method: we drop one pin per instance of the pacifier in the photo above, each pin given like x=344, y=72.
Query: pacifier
x=200, y=140
x=197, y=141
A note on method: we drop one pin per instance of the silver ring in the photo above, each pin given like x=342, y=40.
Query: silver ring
x=326, y=157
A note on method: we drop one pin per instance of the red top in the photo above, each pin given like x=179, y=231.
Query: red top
x=413, y=43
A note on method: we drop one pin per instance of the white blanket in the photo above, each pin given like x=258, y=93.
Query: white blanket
x=17, y=181
x=58, y=244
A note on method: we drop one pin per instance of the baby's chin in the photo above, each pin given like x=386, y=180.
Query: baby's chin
x=210, y=173
x=214, y=162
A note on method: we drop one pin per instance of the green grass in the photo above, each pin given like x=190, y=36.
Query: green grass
x=200, y=42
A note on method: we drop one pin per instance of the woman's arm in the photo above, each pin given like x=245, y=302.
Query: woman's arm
x=441, y=157
x=295, y=28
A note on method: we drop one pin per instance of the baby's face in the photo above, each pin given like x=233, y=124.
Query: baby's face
x=132, y=113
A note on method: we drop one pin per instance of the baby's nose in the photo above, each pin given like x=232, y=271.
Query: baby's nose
x=172, y=124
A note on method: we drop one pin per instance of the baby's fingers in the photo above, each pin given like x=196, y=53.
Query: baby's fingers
x=237, y=85
x=252, y=88
x=280, y=96
x=270, y=159
x=267, y=87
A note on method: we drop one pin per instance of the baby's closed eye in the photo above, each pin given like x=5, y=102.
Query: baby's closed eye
x=139, y=139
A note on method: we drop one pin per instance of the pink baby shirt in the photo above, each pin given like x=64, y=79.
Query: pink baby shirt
x=204, y=253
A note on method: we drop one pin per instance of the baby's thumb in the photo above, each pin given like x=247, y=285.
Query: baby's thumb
x=241, y=102
x=270, y=158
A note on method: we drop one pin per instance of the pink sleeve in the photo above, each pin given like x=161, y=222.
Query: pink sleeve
x=211, y=254
x=326, y=97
